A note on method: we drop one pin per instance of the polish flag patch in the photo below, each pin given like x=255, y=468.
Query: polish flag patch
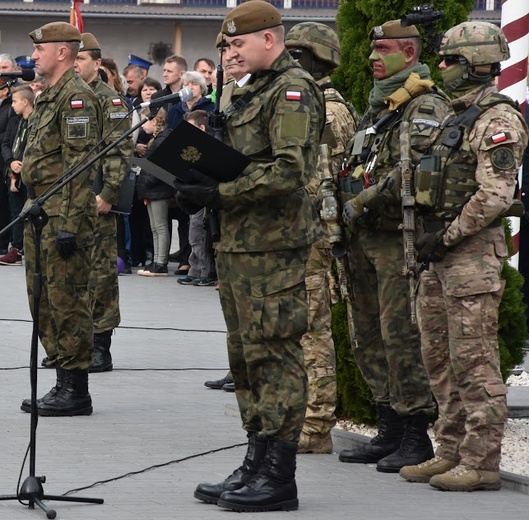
x=499, y=138
x=76, y=103
x=293, y=95
x=117, y=102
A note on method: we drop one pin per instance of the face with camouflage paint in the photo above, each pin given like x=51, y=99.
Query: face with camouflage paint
x=387, y=58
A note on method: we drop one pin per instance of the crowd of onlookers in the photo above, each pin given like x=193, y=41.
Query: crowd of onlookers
x=144, y=235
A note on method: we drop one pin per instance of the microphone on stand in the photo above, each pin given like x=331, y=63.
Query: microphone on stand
x=185, y=94
x=25, y=74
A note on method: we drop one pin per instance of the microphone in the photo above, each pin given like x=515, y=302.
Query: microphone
x=26, y=74
x=185, y=94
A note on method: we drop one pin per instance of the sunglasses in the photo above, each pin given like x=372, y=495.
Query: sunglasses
x=451, y=59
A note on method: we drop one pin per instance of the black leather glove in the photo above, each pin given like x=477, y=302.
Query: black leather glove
x=66, y=243
x=430, y=247
x=186, y=205
x=204, y=195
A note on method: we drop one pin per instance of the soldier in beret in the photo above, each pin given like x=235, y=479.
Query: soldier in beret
x=267, y=225
x=404, y=107
x=113, y=169
x=64, y=126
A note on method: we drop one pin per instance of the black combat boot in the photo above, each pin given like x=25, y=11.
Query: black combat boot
x=72, y=399
x=273, y=488
x=388, y=439
x=210, y=493
x=416, y=446
x=102, y=356
x=26, y=403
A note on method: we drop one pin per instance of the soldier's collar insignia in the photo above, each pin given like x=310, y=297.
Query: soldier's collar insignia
x=379, y=32
x=231, y=27
x=38, y=34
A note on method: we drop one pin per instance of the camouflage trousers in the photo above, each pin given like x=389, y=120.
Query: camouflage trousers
x=265, y=308
x=388, y=351
x=459, y=299
x=104, y=288
x=318, y=346
x=65, y=316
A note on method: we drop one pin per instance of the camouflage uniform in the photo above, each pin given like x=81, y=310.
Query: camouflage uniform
x=318, y=345
x=388, y=348
x=267, y=226
x=104, y=289
x=64, y=126
x=459, y=296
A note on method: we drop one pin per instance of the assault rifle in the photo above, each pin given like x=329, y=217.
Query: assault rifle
x=408, y=216
x=331, y=214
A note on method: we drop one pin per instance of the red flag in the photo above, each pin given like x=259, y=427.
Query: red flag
x=75, y=15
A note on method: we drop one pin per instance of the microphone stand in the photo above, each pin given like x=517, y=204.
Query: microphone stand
x=32, y=489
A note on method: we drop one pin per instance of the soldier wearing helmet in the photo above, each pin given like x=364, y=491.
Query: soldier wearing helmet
x=404, y=107
x=464, y=185
x=316, y=48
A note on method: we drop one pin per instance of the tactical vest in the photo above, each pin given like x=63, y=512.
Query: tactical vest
x=446, y=178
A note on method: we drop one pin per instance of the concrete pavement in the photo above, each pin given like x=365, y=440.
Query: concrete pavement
x=157, y=431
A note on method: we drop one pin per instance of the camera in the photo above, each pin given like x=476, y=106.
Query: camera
x=422, y=14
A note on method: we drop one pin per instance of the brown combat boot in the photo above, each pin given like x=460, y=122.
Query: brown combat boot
x=426, y=470
x=464, y=478
x=315, y=443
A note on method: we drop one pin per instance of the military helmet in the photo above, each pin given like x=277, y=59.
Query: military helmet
x=319, y=38
x=480, y=43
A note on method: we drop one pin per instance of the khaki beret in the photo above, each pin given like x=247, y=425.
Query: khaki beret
x=55, y=32
x=249, y=17
x=393, y=31
x=89, y=43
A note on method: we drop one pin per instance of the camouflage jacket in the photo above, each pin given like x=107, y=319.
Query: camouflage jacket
x=425, y=114
x=114, y=166
x=267, y=208
x=498, y=140
x=63, y=127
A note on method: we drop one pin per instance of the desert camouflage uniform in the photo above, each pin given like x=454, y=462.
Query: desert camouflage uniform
x=104, y=289
x=267, y=226
x=460, y=295
x=65, y=124
x=387, y=350
x=318, y=345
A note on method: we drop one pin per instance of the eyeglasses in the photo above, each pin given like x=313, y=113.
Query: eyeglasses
x=451, y=59
x=296, y=53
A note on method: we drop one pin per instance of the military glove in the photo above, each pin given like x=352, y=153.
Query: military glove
x=186, y=205
x=430, y=247
x=352, y=211
x=200, y=194
x=66, y=243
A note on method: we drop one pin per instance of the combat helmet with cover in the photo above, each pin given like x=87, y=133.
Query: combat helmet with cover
x=479, y=47
x=318, y=38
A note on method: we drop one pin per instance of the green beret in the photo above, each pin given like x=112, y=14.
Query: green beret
x=89, y=43
x=55, y=32
x=393, y=31
x=250, y=17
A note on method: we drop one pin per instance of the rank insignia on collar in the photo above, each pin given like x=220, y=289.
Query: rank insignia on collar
x=76, y=103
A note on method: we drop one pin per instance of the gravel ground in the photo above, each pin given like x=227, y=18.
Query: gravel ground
x=515, y=446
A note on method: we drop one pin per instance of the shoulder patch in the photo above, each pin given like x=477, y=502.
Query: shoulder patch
x=293, y=95
x=498, y=138
x=76, y=103
x=117, y=102
x=426, y=109
x=502, y=158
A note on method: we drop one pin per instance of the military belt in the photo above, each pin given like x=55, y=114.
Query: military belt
x=36, y=191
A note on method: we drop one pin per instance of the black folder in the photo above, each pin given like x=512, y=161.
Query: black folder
x=188, y=149
x=126, y=192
